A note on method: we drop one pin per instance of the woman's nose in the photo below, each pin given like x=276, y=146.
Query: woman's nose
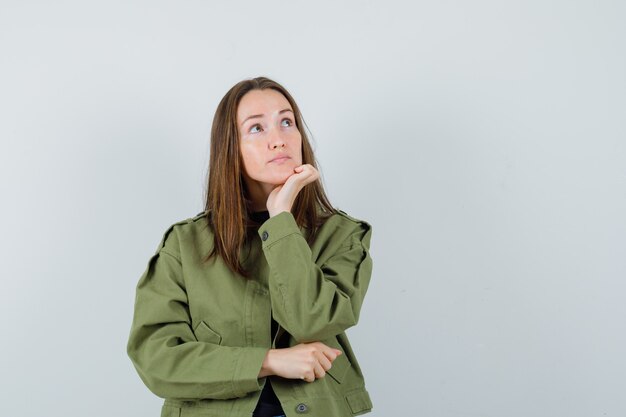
x=276, y=139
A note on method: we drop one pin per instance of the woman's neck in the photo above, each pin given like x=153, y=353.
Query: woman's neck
x=258, y=192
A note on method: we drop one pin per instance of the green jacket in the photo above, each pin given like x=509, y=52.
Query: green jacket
x=200, y=333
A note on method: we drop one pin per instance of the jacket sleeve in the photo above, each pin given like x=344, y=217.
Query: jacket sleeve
x=315, y=302
x=164, y=350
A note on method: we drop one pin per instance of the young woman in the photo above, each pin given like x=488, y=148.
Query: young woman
x=242, y=310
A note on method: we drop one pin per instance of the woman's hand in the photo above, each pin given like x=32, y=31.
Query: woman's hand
x=283, y=196
x=306, y=361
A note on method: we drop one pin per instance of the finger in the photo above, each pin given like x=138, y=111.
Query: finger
x=304, y=177
x=323, y=360
x=332, y=353
x=297, y=181
x=301, y=173
x=310, y=179
x=306, y=167
x=319, y=371
x=313, y=173
x=309, y=376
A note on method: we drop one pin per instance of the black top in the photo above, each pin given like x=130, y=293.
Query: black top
x=268, y=405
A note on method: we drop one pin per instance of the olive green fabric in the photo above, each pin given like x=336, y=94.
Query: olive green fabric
x=200, y=333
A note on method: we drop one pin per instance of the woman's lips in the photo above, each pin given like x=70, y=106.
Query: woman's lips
x=280, y=160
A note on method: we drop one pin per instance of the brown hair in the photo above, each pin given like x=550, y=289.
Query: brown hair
x=228, y=203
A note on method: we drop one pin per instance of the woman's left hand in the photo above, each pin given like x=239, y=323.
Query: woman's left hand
x=283, y=196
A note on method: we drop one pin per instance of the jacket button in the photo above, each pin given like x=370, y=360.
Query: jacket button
x=264, y=235
x=301, y=408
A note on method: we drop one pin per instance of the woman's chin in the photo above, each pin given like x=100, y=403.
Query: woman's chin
x=275, y=177
x=280, y=178
x=278, y=181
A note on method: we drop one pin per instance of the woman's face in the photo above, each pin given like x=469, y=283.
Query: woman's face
x=268, y=130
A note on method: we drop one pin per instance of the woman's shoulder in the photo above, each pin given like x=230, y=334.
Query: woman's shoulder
x=200, y=220
x=188, y=229
x=341, y=218
x=345, y=228
x=349, y=218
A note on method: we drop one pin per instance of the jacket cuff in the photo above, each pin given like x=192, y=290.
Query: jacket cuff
x=246, y=378
x=275, y=228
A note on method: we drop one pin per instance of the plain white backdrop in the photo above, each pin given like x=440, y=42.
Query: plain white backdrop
x=485, y=141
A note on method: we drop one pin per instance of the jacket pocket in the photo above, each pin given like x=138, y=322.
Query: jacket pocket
x=359, y=401
x=206, y=334
x=340, y=365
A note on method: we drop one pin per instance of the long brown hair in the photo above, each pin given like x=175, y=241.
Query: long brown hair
x=228, y=202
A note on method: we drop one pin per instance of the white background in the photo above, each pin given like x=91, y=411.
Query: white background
x=485, y=141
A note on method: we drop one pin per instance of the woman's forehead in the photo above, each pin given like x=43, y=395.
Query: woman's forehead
x=261, y=103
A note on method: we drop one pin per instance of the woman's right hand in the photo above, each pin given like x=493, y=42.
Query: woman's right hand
x=306, y=361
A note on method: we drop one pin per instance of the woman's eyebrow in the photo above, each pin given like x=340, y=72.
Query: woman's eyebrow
x=261, y=115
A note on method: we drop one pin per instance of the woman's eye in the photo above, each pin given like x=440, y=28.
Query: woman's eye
x=254, y=127
x=288, y=120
